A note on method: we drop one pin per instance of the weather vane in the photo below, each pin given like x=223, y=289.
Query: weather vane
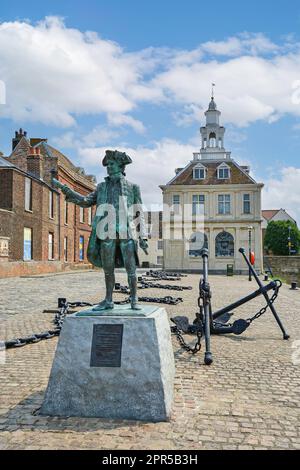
x=212, y=89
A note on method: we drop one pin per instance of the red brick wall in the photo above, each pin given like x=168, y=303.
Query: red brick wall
x=75, y=228
x=12, y=196
x=12, y=224
x=31, y=268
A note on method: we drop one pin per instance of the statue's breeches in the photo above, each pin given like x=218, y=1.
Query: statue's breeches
x=110, y=249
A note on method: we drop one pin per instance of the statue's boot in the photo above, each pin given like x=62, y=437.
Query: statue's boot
x=107, y=303
x=104, y=305
x=132, y=282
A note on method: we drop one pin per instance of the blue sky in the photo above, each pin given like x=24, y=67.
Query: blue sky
x=136, y=75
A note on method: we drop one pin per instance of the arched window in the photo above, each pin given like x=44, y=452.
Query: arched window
x=197, y=242
x=224, y=245
x=212, y=139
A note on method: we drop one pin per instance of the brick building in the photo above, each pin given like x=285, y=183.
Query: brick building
x=37, y=227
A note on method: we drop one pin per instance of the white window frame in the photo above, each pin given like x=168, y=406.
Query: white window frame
x=225, y=201
x=28, y=195
x=199, y=168
x=65, y=248
x=51, y=204
x=176, y=203
x=222, y=168
x=50, y=246
x=247, y=201
x=158, y=259
x=81, y=215
x=66, y=214
x=176, y=199
x=89, y=216
x=28, y=230
x=198, y=200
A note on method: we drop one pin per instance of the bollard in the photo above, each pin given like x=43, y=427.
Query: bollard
x=266, y=278
x=293, y=286
x=61, y=302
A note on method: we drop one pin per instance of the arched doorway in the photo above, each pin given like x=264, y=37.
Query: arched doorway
x=224, y=245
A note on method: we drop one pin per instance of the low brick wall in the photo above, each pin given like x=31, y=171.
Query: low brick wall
x=286, y=267
x=31, y=268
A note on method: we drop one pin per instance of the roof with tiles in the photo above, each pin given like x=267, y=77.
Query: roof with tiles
x=269, y=214
x=5, y=164
x=47, y=150
x=237, y=174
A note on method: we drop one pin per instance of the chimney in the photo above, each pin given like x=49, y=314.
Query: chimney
x=35, y=162
x=18, y=136
x=246, y=168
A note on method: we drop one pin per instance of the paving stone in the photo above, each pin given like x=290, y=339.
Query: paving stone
x=247, y=399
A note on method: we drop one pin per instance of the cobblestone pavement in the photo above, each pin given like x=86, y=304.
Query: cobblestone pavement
x=248, y=398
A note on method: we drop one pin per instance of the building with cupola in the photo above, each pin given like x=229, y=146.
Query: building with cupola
x=221, y=192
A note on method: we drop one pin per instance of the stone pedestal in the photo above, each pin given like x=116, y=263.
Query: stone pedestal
x=116, y=365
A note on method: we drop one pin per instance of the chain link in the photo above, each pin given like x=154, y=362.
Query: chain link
x=183, y=344
x=270, y=302
x=169, y=300
x=260, y=312
x=58, y=322
x=203, y=299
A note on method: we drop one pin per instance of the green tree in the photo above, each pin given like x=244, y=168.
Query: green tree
x=277, y=234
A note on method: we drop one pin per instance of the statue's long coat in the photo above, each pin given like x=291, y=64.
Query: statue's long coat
x=98, y=197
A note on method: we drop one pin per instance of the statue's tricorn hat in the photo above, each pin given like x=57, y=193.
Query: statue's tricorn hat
x=120, y=157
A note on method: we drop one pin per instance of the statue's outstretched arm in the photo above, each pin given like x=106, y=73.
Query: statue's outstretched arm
x=73, y=196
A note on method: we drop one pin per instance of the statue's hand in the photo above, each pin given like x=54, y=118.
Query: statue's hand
x=144, y=245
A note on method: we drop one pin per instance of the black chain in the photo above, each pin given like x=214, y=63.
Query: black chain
x=165, y=274
x=261, y=311
x=265, y=308
x=150, y=285
x=204, y=297
x=183, y=344
x=58, y=322
x=169, y=300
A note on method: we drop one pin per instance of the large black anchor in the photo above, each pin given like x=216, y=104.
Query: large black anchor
x=207, y=323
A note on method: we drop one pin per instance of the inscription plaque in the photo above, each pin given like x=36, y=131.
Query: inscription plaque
x=106, y=346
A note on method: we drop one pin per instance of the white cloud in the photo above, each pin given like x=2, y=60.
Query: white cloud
x=99, y=135
x=245, y=43
x=152, y=166
x=54, y=73
x=283, y=192
x=118, y=120
x=66, y=140
x=249, y=88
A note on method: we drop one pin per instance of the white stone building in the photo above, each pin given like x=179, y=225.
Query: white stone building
x=154, y=259
x=212, y=183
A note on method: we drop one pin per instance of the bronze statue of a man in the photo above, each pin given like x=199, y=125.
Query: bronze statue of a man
x=115, y=235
